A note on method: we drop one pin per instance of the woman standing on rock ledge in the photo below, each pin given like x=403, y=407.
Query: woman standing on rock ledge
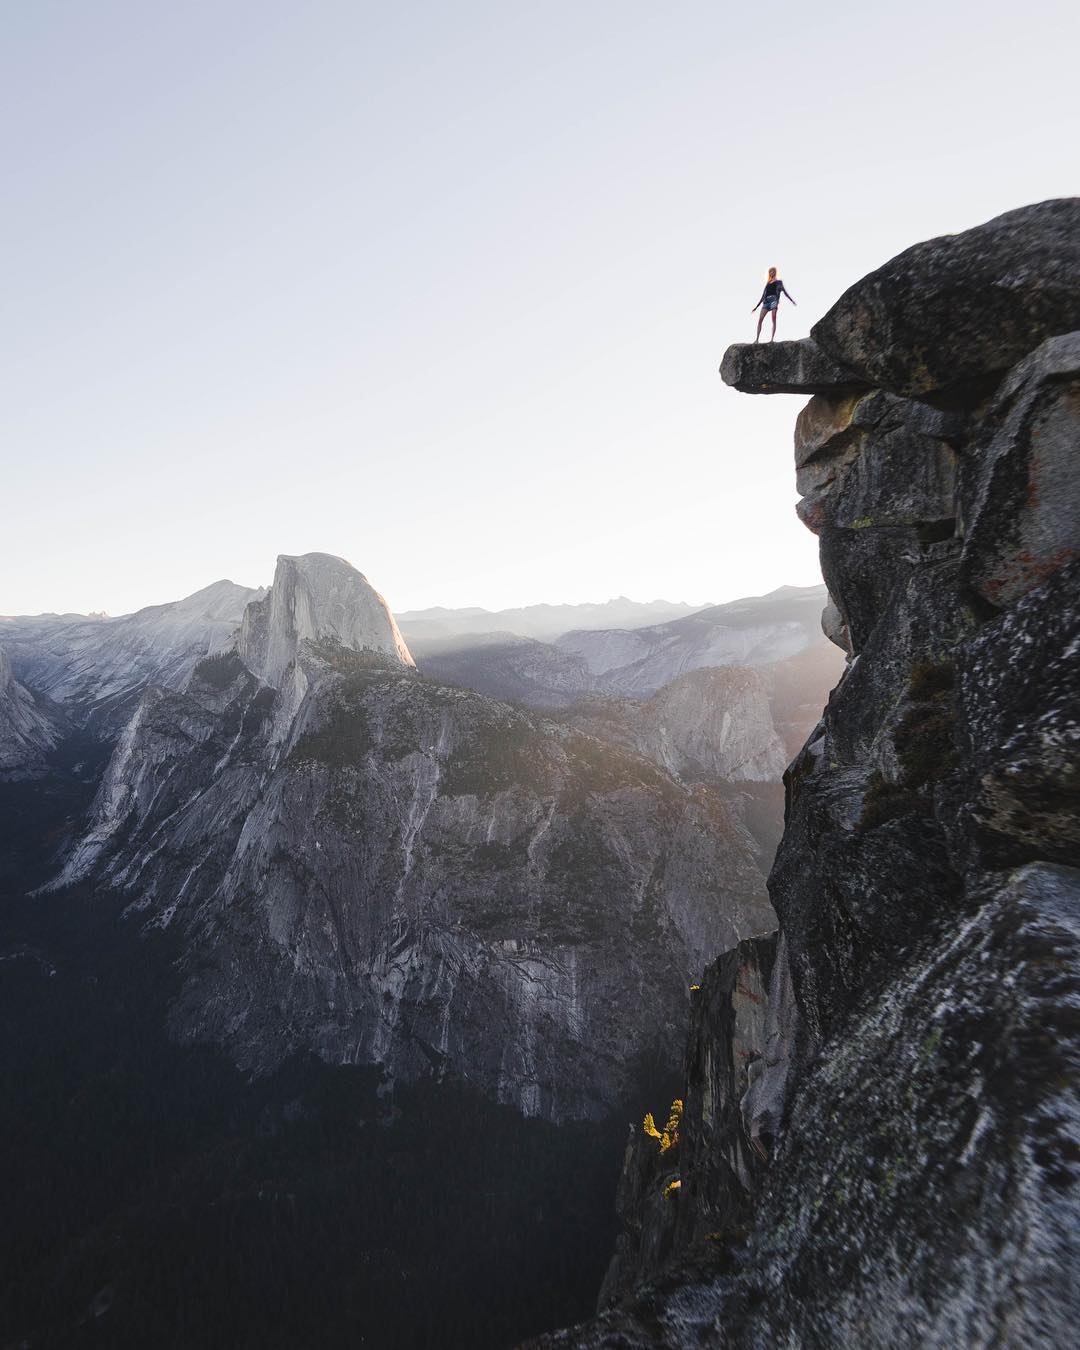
x=770, y=302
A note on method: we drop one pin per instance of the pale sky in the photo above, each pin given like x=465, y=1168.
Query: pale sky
x=443, y=288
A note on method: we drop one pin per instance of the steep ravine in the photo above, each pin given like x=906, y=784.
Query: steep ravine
x=880, y=1144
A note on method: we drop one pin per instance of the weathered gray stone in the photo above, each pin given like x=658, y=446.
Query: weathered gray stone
x=316, y=597
x=703, y=1183
x=786, y=368
x=947, y=317
x=878, y=474
x=824, y=420
x=902, y=1208
x=862, y=568
x=1020, y=711
x=924, y=1187
x=892, y=464
x=1024, y=521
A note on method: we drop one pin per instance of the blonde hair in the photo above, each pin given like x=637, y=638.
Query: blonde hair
x=772, y=273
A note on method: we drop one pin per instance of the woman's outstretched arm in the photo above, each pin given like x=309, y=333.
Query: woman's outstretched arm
x=761, y=301
x=788, y=294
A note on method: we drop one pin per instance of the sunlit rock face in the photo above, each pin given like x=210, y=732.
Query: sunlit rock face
x=316, y=598
x=29, y=727
x=98, y=667
x=904, y=1165
x=378, y=868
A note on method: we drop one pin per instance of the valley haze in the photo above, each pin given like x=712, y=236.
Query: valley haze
x=415, y=942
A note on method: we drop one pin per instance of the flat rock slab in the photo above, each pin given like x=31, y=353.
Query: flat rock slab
x=946, y=318
x=787, y=368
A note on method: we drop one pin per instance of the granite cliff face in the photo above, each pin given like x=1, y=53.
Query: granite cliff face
x=880, y=1144
x=378, y=868
x=315, y=598
x=29, y=727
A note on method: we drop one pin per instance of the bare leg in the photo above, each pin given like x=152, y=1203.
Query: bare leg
x=774, y=314
x=761, y=320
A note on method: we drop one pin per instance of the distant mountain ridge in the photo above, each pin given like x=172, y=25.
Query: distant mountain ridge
x=98, y=667
x=637, y=662
x=543, y=621
x=753, y=631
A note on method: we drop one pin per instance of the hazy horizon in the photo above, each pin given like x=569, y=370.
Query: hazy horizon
x=444, y=290
x=420, y=609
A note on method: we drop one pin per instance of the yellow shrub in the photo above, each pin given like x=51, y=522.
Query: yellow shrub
x=670, y=1137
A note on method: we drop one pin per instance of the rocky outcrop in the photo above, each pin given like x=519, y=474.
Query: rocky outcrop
x=697, y=1187
x=315, y=598
x=948, y=317
x=29, y=727
x=97, y=668
x=366, y=864
x=907, y=1152
x=799, y=367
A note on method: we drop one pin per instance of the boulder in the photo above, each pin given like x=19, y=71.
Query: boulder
x=835, y=628
x=946, y=318
x=1025, y=516
x=786, y=368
